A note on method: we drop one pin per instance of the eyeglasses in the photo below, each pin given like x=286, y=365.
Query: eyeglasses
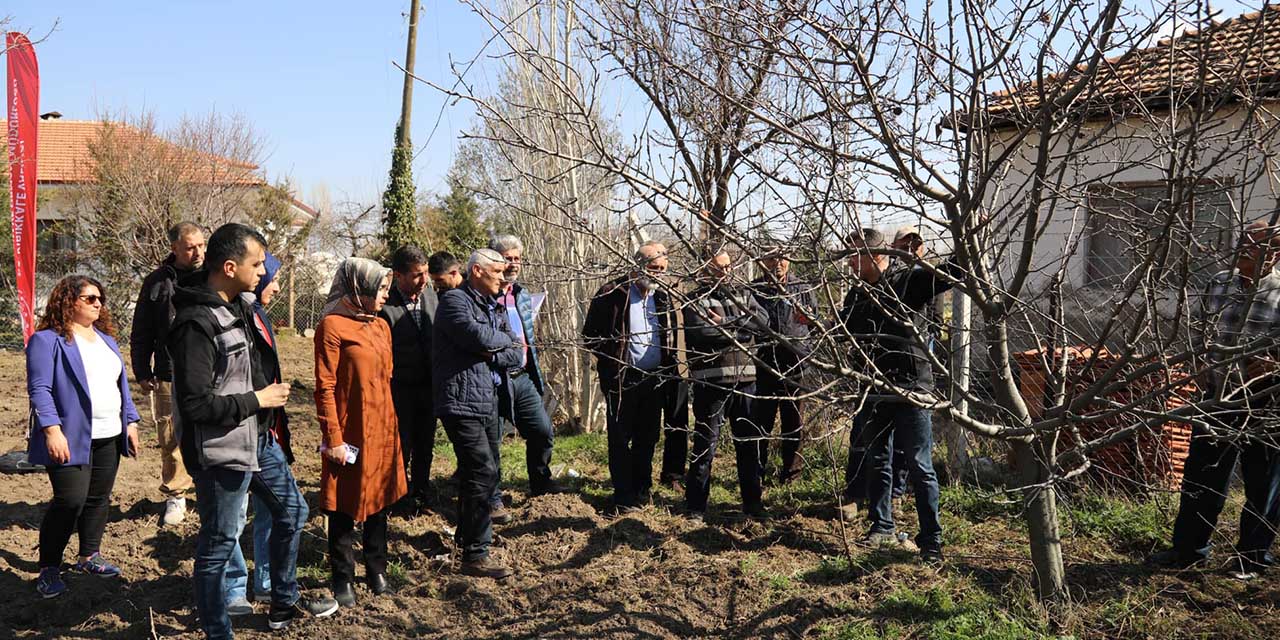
x=93, y=299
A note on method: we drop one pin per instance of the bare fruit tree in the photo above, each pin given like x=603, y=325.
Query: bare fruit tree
x=1086, y=169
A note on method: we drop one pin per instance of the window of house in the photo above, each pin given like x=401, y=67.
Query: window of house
x=54, y=237
x=1127, y=223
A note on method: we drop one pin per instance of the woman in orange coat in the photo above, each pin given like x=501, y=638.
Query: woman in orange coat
x=357, y=420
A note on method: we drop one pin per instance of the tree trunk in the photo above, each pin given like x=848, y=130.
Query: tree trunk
x=1034, y=462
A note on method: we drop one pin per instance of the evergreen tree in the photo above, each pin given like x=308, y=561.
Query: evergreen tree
x=399, y=209
x=463, y=233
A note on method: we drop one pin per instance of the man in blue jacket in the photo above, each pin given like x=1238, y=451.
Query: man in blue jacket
x=522, y=399
x=472, y=353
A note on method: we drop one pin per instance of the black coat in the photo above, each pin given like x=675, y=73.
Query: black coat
x=410, y=341
x=889, y=322
x=606, y=328
x=152, y=317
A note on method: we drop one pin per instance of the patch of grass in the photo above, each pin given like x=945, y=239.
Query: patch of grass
x=977, y=505
x=951, y=611
x=585, y=450
x=396, y=574
x=747, y=565
x=779, y=583
x=858, y=630
x=1124, y=523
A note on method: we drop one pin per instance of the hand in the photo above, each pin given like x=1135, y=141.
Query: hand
x=132, y=435
x=59, y=452
x=714, y=317
x=273, y=395
x=337, y=455
x=149, y=385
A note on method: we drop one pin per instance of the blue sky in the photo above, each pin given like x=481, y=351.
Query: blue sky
x=314, y=78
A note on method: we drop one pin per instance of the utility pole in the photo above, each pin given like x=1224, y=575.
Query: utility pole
x=406, y=101
x=399, y=203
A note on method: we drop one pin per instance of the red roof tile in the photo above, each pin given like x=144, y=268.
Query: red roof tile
x=63, y=148
x=1230, y=60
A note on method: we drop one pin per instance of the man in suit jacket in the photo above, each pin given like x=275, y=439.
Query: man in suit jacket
x=410, y=311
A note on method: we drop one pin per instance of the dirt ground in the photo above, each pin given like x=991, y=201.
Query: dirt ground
x=583, y=574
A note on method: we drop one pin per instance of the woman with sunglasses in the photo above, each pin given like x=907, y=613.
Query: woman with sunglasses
x=83, y=421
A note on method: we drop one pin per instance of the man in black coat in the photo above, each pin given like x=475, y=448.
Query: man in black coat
x=409, y=311
x=151, y=319
x=885, y=313
x=631, y=328
x=789, y=303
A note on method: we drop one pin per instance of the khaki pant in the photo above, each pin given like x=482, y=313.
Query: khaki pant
x=174, y=480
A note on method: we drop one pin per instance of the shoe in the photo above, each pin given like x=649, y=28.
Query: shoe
x=932, y=557
x=280, y=617
x=263, y=598
x=756, y=512
x=500, y=514
x=98, y=566
x=486, y=568
x=696, y=517
x=1173, y=559
x=50, y=584
x=175, y=511
x=673, y=484
x=239, y=607
x=880, y=540
x=378, y=583
x=545, y=488
x=344, y=594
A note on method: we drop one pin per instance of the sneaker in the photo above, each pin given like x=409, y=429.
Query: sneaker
x=880, y=540
x=486, y=568
x=50, y=584
x=264, y=598
x=280, y=617
x=239, y=607
x=1173, y=559
x=500, y=514
x=98, y=566
x=175, y=511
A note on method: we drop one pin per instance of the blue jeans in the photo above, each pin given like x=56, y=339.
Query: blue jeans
x=1206, y=481
x=220, y=496
x=522, y=405
x=237, y=578
x=909, y=428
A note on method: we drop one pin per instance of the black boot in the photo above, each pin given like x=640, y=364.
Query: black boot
x=344, y=594
x=378, y=583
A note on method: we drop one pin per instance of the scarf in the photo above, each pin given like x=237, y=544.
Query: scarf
x=356, y=277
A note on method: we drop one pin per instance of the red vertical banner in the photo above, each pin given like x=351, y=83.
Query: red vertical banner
x=23, y=99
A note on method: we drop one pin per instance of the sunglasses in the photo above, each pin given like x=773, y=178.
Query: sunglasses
x=93, y=299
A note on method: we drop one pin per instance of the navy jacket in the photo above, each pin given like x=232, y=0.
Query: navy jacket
x=59, y=393
x=469, y=326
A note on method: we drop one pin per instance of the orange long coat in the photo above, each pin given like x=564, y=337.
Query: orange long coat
x=353, y=404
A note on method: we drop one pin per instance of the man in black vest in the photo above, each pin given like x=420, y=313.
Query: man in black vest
x=410, y=311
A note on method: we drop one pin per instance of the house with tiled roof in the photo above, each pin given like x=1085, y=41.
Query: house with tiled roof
x=1166, y=147
x=65, y=164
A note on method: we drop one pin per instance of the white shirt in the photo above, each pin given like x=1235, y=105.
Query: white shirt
x=102, y=369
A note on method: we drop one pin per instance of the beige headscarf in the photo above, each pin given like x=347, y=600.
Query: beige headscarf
x=355, y=277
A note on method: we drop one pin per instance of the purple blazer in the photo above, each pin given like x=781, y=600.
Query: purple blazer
x=59, y=393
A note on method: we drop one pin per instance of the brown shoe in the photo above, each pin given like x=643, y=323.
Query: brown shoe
x=500, y=514
x=486, y=568
x=674, y=485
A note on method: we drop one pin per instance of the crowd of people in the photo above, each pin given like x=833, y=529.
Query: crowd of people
x=436, y=338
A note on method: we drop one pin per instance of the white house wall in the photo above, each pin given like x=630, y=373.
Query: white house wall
x=1132, y=151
